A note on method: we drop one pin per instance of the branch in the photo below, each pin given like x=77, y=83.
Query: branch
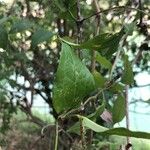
x=141, y=113
x=140, y=100
x=127, y=111
x=39, y=92
x=141, y=86
x=93, y=61
x=56, y=136
x=79, y=23
x=114, y=8
x=33, y=119
x=141, y=14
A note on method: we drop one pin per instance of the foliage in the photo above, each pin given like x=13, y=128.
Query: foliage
x=55, y=50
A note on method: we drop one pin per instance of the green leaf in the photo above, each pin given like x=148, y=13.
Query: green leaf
x=99, y=80
x=76, y=127
x=127, y=77
x=21, y=26
x=73, y=81
x=91, y=124
x=106, y=44
x=103, y=61
x=3, y=37
x=40, y=36
x=118, y=110
x=114, y=131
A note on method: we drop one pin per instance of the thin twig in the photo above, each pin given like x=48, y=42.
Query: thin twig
x=82, y=132
x=45, y=127
x=141, y=14
x=82, y=106
x=140, y=100
x=72, y=15
x=114, y=8
x=141, y=113
x=94, y=97
x=127, y=111
x=93, y=61
x=78, y=14
x=79, y=24
x=141, y=86
x=79, y=39
x=56, y=136
x=91, y=98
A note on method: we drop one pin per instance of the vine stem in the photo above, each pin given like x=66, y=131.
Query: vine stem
x=56, y=136
x=79, y=39
x=79, y=24
x=82, y=132
x=92, y=98
x=127, y=110
x=93, y=61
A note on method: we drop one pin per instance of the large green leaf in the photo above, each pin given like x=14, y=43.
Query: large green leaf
x=21, y=26
x=40, y=36
x=119, y=111
x=127, y=77
x=73, y=81
x=3, y=37
x=106, y=44
x=114, y=131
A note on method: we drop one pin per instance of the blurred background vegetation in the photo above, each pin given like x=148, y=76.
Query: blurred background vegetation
x=29, y=57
